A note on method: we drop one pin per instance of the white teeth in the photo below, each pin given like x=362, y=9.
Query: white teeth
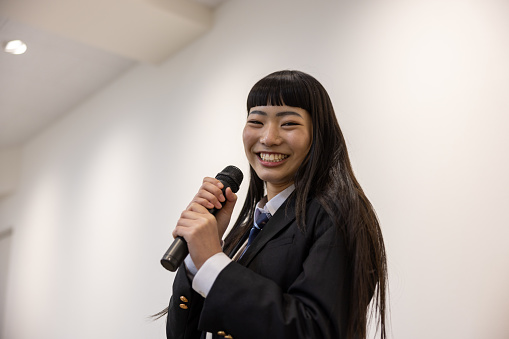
x=272, y=157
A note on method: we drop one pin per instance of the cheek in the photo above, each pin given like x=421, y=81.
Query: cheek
x=247, y=138
x=309, y=140
x=302, y=145
x=308, y=145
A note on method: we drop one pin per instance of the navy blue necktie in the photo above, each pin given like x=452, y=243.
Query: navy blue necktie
x=257, y=227
x=260, y=221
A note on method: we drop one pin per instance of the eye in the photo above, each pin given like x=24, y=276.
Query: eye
x=290, y=123
x=254, y=122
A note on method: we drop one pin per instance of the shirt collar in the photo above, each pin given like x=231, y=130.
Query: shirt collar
x=273, y=204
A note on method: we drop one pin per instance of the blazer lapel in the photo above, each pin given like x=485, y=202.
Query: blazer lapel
x=240, y=243
x=278, y=222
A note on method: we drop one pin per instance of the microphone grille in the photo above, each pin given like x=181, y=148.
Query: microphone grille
x=231, y=176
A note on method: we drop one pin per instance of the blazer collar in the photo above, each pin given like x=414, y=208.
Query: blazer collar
x=278, y=222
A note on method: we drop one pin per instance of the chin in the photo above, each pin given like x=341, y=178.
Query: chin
x=274, y=180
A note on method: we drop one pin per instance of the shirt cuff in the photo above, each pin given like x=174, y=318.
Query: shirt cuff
x=190, y=267
x=207, y=274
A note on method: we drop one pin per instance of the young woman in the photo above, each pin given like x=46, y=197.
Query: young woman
x=313, y=265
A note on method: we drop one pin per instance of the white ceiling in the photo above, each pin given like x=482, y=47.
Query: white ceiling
x=77, y=47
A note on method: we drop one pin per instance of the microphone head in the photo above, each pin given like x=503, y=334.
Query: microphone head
x=231, y=176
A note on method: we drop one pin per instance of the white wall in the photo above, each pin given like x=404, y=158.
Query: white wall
x=420, y=88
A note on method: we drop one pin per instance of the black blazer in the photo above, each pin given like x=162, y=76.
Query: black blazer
x=289, y=284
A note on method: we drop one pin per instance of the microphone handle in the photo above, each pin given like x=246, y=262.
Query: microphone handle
x=175, y=254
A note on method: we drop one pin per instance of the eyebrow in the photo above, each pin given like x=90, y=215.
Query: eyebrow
x=278, y=114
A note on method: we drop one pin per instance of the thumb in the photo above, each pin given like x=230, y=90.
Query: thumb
x=231, y=199
x=224, y=214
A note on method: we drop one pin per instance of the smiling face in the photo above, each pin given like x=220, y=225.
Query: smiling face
x=277, y=139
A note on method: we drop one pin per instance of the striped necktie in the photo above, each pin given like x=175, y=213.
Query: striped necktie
x=260, y=221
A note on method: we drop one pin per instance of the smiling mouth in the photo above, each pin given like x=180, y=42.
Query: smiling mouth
x=272, y=157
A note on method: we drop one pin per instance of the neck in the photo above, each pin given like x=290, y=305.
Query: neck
x=275, y=189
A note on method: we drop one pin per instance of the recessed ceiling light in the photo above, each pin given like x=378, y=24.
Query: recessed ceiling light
x=15, y=47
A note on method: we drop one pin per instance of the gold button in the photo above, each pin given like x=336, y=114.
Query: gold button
x=221, y=333
x=228, y=337
x=184, y=299
x=183, y=306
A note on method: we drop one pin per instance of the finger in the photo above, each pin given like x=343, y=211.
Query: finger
x=211, y=194
x=215, y=187
x=212, y=185
x=195, y=212
x=197, y=208
x=182, y=231
x=214, y=181
x=204, y=202
x=189, y=222
x=192, y=223
x=176, y=232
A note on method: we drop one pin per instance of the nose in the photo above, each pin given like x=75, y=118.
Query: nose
x=270, y=135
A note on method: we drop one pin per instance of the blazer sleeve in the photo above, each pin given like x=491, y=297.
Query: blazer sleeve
x=184, y=309
x=248, y=305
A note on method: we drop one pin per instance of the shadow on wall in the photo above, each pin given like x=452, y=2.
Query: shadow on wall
x=5, y=246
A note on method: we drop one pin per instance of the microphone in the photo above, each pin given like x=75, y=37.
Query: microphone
x=231, y=177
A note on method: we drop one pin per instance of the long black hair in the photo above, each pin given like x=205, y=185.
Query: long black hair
x=327, y=175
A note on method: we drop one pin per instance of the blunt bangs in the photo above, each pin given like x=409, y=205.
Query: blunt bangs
x=281, y=88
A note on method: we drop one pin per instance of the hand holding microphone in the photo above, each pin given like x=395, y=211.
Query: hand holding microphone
x=198, y=222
